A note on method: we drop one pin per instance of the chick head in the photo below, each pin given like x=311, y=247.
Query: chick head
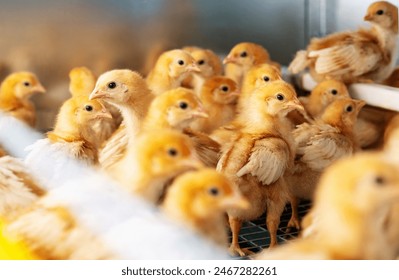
x=22, y=85
x=343, y=112
x=383, y=14
x=205, y=193
x=208, y=62
x=87, y=111
x=178, y=106
x=328, y=91
x=364, y=182
x=247, y=54
x=82, y=81
x=120, y=87
x=177, y=63
x=219, y=89
x=259, y=75
x=275, y=98
x=165, y=153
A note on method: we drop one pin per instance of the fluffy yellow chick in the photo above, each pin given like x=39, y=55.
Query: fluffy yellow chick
x=171, y=68
x=200, y=199
x=218, y=95
x=208, y=62
x=354, y=56
x=155, y=158
x=73, y=131
x=18, y=188
x=393, y=80
x=15, y=91
x=351, y=202
x=242, y=57
x=258, y=155
x=12, y=248
x=320, y=144
x=127, y=91
x=175, y=108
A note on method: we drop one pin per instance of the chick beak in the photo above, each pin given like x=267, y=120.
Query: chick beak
x=193, y=68
x=368, y=17
x=38, y=88
x=234, y=94
x=229, y=59
x=192, y=163
x=97, y=94
x=200, y=113
x=104, y=114
x=236, y=201
x=295, y=105
x=359, y=105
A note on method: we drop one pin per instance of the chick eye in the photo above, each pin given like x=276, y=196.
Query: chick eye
x=200, y=62
x=180, y=62
x=183, y=105
x=380, y=12
x=243, y=54
x=26, y=84
x=379, y=180
x=334, y=92
x=280, y=97
x=213, y=191
x=112, y=85
x=225, y=88
x=266, y=78
x=172, y=152
x=349, y=108
x=89, y=108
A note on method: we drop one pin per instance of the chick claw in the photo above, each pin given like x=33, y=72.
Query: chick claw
x=235, y=250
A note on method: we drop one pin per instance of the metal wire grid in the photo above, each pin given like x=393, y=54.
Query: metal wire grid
x=255, y=237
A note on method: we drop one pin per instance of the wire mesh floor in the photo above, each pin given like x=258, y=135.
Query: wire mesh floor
x=255, y=237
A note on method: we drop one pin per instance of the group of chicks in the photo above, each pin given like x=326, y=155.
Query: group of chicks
x=215, y=146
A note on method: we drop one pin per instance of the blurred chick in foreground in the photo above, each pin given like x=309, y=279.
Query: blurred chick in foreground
x=15, y=91
x=171, y=68
x=258, y=155
x=155, y=158
x=351, y=203
x=200, y=199
x=18, y=188
x=242, y=57
x=127, y=91
x=218, y=95
x=355, y=56
x=319, y=145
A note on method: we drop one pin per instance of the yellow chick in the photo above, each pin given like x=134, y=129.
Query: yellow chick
x=127, y=91
x=155, y=158
x=209, y=64
x=15, y=91
x=175, y=108
x=351, y=202
x=218, y=95
x=242, y=57
x=171, y=68
x=199, y=200
x=355, y=56
x=258, y=155
x=73, y=131
x=18, y=188
x=12, y=248
x=320, y=144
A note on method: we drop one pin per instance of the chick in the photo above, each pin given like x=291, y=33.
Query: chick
x=18, y=188
x=354, y=56
x=219, y=95
x=319, y=145
x=175, y=108
x=393, y=80
x=258, y=155
x=82, y=82
x=171, y=68
x=15, y=91
x=242, y=57
x=199, y=200
x=209, y=64
x=155, y=158
x=128, y=91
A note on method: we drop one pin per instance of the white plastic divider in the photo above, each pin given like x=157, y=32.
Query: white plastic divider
x=129, y=226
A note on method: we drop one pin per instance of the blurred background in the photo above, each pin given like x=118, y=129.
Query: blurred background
x=50, y=37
